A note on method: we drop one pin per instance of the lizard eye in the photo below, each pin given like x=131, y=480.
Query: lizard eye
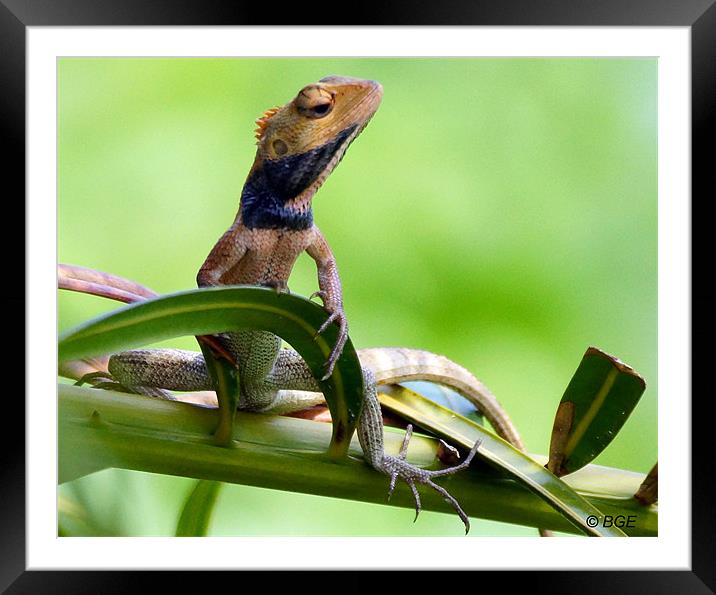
x=314, y=102
x=322, y=109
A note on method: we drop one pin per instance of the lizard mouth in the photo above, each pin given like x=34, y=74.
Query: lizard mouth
x=351, y=124
x=361, y=111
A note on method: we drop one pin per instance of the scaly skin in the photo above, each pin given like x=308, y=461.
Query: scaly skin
x=299, y=145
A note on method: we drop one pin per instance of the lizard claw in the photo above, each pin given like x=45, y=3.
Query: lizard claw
x=326, y=323
x=105, y=381
x=391, y=487
x=278, y=286
x=320, y=293
x=340, y=317
x=94, y=378
x=401, y=455
x=406, y=440
x=397, y=467
x=416, y=495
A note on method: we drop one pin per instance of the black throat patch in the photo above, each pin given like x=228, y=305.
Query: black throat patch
x=277, y=181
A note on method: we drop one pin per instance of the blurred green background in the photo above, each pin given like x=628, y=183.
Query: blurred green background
x=502, y=212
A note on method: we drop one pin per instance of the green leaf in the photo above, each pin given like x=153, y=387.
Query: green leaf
x=196, y=513
x=217, y=309
x=598, y=400
x=225, y=379
x=445, y=396
x=498, y=453
x=73, y=519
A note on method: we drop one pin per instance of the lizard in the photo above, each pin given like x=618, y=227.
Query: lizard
x=298, y=146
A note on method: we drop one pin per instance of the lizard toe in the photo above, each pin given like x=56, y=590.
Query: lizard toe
x=398, y=468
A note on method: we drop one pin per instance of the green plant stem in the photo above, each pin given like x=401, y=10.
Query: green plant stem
x=100, y=429
x=196, y=514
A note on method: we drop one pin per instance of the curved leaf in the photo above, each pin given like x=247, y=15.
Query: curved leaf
x=598, y=400
x=499, y=453
x=213, y=310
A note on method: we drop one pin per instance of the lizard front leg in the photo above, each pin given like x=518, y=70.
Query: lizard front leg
x=224, y=257
x=331, y=293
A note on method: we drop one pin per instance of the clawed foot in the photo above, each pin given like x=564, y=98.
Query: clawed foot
x=101, y=379
x=105, y=381
x=397, y=467
x=278, y=286
x=337, y=315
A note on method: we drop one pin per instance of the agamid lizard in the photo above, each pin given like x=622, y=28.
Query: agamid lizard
x=299, y=145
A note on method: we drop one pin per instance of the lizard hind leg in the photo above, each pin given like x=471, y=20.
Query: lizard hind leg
x=397, y=467
x=154, y=372
x=370, y=435
x=105, y=381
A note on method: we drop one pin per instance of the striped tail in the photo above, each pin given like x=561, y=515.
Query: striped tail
x=395, y=364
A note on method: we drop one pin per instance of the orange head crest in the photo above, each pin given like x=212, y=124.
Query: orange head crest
x=262, y=122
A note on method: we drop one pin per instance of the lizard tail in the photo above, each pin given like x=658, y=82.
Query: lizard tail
x=392, y=365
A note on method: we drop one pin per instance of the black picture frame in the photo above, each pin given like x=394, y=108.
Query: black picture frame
x=699, y=15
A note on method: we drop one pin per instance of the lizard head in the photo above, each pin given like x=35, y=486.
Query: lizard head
x=318, y=114
x=301, y=143
x=316, y=127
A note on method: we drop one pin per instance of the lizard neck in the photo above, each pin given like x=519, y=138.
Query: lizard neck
x=278, y=192
x=264, y=208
